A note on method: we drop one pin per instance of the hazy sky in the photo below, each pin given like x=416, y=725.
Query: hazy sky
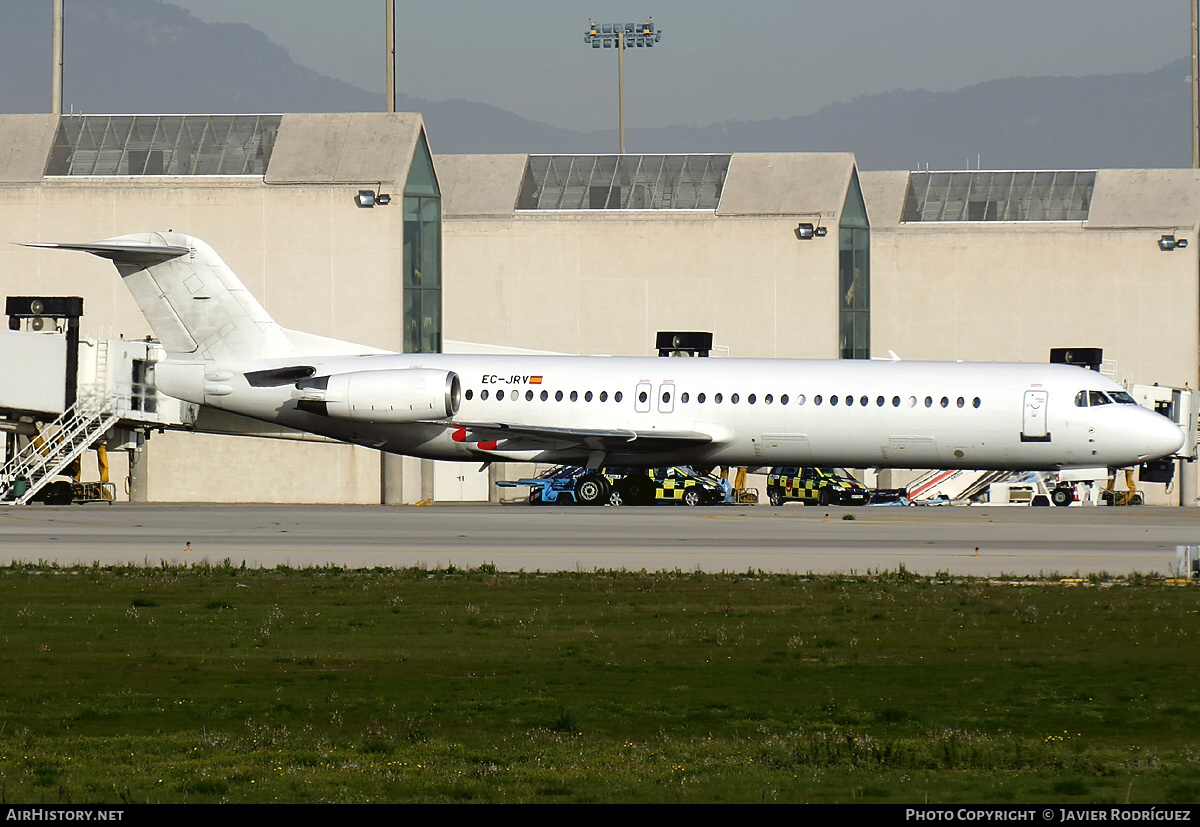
x=717, y=60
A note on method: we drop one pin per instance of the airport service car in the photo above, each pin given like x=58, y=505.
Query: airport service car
x=683, y=484
x=815, y=486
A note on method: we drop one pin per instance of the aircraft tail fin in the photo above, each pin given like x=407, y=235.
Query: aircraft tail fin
x=195, y=304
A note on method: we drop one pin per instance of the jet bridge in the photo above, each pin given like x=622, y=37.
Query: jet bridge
x=61, y=395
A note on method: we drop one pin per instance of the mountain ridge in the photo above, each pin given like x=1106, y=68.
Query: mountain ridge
x=123, y=56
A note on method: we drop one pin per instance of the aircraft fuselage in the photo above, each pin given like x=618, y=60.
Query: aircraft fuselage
x=756, y=411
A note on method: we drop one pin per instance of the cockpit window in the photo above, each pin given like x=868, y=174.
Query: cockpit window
x=1085, y=399
x=1122, y=398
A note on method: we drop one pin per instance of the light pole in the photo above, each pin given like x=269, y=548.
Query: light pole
x=390, y=44
x=620, y=35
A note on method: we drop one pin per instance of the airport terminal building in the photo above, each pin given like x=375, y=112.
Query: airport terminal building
x=348, y=226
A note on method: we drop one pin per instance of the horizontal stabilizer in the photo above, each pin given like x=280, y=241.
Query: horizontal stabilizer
x=134, y=252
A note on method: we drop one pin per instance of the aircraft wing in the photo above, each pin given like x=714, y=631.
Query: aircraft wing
x=592, y=439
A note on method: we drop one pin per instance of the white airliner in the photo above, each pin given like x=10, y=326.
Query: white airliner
x=225, y=351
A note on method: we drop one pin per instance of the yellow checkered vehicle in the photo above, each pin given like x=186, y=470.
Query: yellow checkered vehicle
x=678, y=484
x=815, y=486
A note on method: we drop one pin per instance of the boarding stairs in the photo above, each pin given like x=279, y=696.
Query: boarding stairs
x=955, y=485
x=62, y=441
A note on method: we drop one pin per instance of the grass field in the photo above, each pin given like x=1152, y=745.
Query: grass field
x=217, y=683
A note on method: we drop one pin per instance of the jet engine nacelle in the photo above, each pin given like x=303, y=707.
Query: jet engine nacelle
x=405, y=395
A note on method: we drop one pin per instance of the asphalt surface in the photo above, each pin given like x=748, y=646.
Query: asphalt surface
x=981, y=541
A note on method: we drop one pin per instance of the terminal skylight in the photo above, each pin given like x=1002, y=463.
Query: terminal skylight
x=623, y=182
x=163, y=144
x=976, y=195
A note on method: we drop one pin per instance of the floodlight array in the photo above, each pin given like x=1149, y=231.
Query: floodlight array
x=609, y=35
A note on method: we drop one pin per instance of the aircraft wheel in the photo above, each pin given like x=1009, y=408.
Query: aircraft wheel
x=775, y=496
x=639, y=490
x=1062, y=495
x=691, y=497
x=591, y=490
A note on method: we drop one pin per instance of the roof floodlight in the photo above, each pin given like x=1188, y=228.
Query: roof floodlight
x=383, y=199
x=821, y=232
x=365, y=198
x=805, y=231
x=622, y=36
x=1167, y=243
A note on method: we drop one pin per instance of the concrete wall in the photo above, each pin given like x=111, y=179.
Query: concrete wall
x=1011, y=292
x=604, y=283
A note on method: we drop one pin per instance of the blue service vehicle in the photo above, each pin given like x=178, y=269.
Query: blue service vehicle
x=563, y=485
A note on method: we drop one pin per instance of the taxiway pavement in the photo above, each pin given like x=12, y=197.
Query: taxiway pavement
x=980, y=541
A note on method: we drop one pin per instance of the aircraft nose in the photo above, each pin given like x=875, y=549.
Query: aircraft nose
x=1163, y=437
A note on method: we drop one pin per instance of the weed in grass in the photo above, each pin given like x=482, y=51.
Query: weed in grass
x=566, y=722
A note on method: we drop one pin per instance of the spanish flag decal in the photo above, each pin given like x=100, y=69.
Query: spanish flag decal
x=535, y=380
